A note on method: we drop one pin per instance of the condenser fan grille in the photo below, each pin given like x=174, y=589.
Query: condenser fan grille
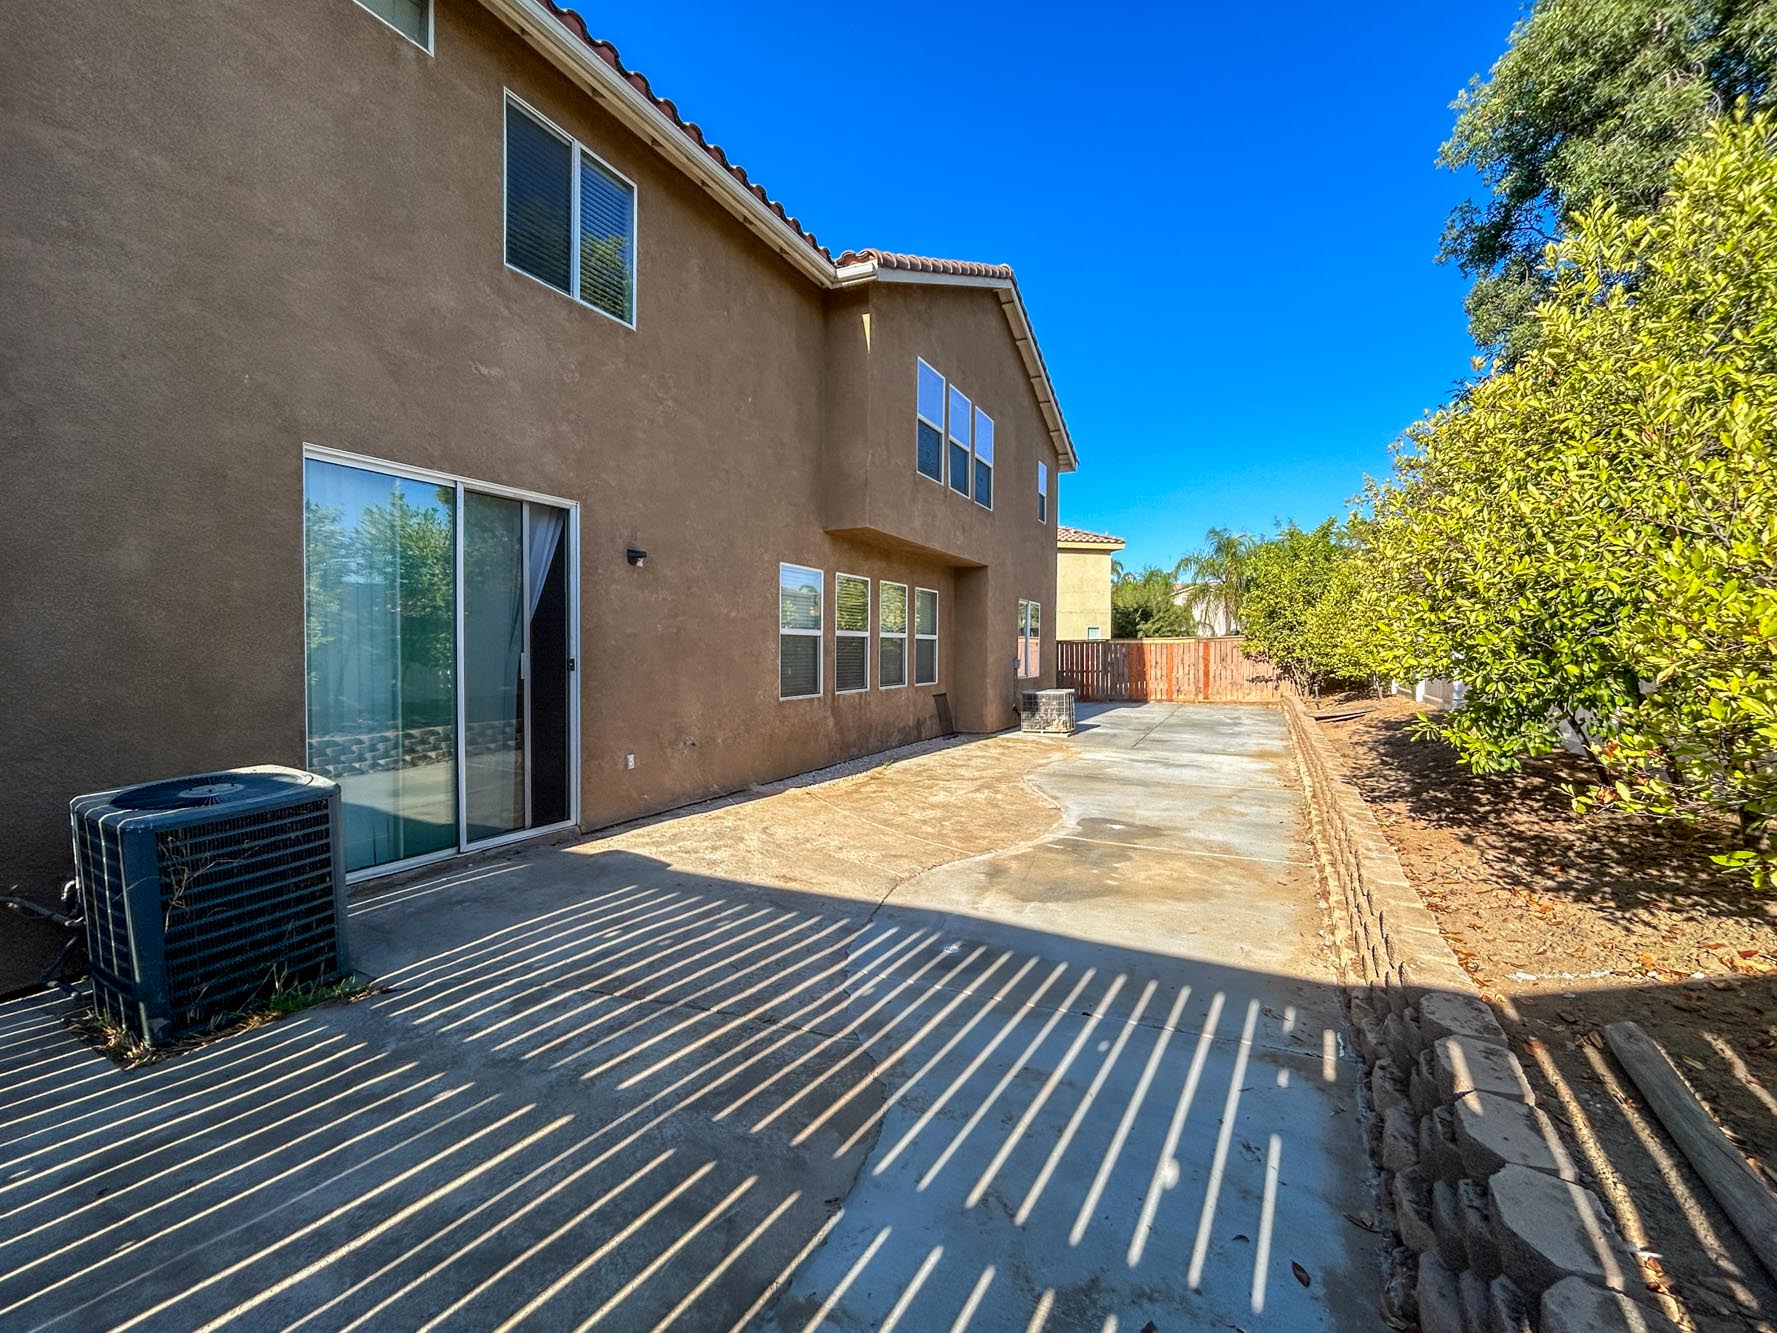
x=203, y=789
x=206, y=893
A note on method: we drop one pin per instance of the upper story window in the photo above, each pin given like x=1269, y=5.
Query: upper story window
x=799, y=621
x=931, y=423
x=1042, y=492
x=955, y=438
x=570, y=218
x=959, y=441
x=983, y=459
x=411, y=18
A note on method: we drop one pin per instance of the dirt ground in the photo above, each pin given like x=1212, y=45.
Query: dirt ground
x=1570, y=923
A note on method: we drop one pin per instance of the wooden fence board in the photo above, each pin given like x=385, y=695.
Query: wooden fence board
x=1204, y=670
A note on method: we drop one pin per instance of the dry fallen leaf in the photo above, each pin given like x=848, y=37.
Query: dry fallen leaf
x=1300, y=1272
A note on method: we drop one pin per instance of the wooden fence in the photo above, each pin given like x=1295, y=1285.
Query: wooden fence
x=1209, y=670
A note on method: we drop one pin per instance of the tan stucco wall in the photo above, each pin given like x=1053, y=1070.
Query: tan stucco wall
x=1083, y=590
x=234, y=228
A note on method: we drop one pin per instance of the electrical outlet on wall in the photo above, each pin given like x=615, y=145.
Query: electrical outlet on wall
x=629, y=761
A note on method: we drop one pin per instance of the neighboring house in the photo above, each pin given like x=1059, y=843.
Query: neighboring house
x=1083, y=583
x=402, y=390
x=1210, y=618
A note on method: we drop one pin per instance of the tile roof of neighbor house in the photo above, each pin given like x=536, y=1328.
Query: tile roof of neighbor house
x=816, y=259
x=1064, y=534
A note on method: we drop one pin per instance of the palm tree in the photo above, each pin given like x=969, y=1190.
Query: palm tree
x=1214, y=579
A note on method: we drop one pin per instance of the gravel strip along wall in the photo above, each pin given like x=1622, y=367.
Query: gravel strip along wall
x=1496, y=1233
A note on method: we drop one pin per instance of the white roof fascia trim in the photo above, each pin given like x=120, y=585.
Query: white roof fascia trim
x=1022, y=334
x=567, y=52
x=941, y=279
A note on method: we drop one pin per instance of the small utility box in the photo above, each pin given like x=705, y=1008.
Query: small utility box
x=1047, y=712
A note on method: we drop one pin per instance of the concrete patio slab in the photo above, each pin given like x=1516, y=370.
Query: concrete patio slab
x=1035, y=1077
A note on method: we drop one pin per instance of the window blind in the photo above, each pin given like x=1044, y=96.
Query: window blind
x=892, y=635
x=798, y=631
x=539, y=201
x=607, y=241
x=851, y=649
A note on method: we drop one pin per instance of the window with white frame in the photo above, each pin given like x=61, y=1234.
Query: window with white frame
x=931, y=423
x=570, y=218
x=891, y=635
x=851, y=630
x=1095, y=631
x=960, y=422
x=1030, y=639
x=925, y=636
x=983, y=459
x=799, y=631
x=1042, y=492
x=411, y=18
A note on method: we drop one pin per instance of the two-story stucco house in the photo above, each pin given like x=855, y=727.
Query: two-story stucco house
x=400, y=389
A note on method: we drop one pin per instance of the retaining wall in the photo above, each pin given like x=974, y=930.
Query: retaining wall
x=1494, y=1230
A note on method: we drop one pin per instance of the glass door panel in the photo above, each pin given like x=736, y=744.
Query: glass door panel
x=493, y=702
x=380, y=595
x=551, y=708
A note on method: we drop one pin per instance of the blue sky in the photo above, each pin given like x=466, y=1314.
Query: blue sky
x=1224, y=218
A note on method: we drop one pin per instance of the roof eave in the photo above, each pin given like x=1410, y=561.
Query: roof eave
x=544, y=31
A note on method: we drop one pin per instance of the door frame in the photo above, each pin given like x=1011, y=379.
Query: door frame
x=325, y=454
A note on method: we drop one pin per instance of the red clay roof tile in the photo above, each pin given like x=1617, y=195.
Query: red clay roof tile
x=572, y=20
x=1063, y=534
x=957, y=268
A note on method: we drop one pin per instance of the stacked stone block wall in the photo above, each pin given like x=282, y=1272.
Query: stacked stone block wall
x=1495, y=1231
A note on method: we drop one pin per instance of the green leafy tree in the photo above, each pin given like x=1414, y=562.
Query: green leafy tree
x=1142, y=606
x=1591, y=536
x=1215, y=578
x=1592, y=102
x=1306, y=607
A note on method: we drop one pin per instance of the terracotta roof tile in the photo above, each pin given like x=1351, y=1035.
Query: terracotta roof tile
x=956, y=268
x=1064, y=534
x=606, y=52
x=669, y=111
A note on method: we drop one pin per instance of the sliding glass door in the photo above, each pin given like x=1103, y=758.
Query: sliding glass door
x=439, y=644
x=493, y=665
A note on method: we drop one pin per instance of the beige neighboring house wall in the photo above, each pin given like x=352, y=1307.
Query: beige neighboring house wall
x=1083, y=583
x=1211, y=621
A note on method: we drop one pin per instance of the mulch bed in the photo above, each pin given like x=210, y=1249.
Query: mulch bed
x=1571, y=922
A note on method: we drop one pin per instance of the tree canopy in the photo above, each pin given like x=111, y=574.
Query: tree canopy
x=1215, y=579
x=1591, y=104
x=1142, y=606
x=1305, y=608
x=1591, y=535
